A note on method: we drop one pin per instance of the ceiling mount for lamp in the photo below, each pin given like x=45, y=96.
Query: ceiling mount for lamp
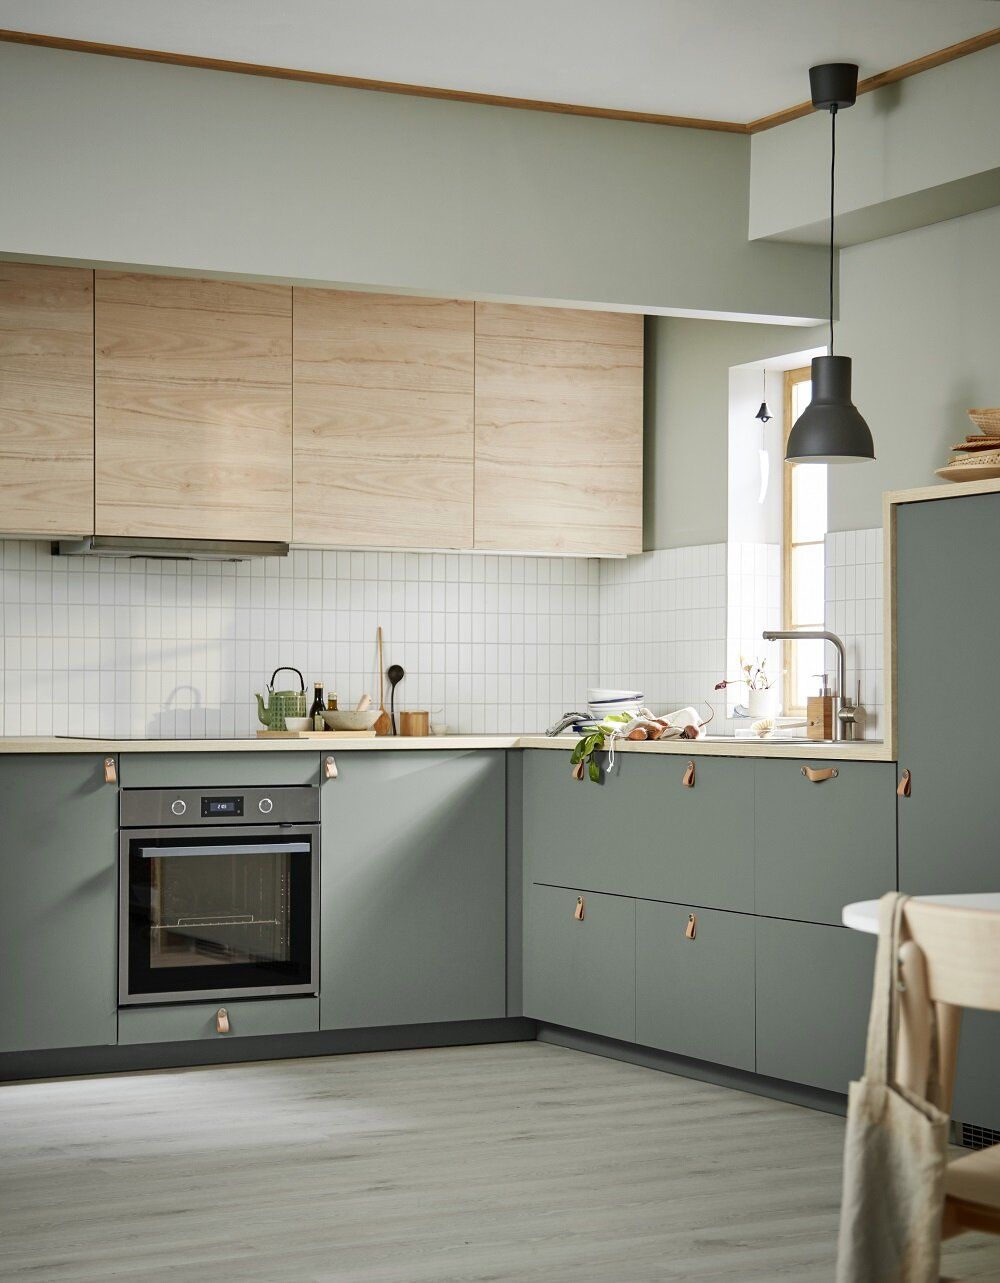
x=831, y=429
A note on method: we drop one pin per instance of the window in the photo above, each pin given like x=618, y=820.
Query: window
x=803, y=570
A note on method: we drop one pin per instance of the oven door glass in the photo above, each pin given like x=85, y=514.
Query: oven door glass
x=218, y=912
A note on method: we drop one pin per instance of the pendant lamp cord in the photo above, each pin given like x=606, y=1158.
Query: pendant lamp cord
x=833, y=174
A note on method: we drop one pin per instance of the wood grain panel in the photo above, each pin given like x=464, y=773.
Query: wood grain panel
x=558, y=430
x=193, y=408
x=383, y=420
x=46, y=400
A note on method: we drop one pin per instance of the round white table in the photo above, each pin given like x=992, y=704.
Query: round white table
x=863, y=914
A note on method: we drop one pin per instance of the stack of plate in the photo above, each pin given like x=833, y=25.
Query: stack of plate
x=977, y=458
x=602, y=700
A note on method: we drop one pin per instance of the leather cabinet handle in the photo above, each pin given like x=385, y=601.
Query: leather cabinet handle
x=904, y=785
x=330, y=768
x=687, y=779
x=580, y=912
x=691, y=930
x=817, y=776
x=222, y=1021
x=110, y=771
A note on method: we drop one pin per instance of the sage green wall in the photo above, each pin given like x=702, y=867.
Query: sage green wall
x=109, y=160
x=914, y=153
x=687, y=420
x=921, y=320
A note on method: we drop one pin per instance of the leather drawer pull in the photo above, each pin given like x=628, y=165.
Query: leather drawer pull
x=687, y=779
x=581, y=908
x=904, y=785
x=222, y=1021
x=691, y=930
x=110, y=771
x=330, y=768
x=818, y=776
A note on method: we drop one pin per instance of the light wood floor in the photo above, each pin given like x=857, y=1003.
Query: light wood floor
x=521, y=1161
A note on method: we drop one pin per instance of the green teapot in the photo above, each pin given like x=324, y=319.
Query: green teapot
x=282, y=704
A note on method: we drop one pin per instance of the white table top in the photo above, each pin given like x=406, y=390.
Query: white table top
x=863, y=914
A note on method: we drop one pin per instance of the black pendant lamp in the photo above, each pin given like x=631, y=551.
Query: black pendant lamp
x=764, y=414
x=830, y=429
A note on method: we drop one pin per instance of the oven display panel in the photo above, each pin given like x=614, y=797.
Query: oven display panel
x=220, y=806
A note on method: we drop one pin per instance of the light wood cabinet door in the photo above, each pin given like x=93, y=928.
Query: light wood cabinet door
x=558, y=429
x=46, y=400
x=193, y=408
x=383, y=420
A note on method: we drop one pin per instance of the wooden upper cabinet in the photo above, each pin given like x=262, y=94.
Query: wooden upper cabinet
x=558, y=429
x=193, y=408
x=383, y=420
x=46, y=400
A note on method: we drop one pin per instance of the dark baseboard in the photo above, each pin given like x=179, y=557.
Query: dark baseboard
x=69, y=1062
x=829, y=1102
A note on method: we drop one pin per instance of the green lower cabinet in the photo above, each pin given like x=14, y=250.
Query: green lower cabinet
x=814, y=986
x=579, y=971
x=695, y=983
x=641, y=832
x=413, y=888
x=822, y=843
x=58, y=902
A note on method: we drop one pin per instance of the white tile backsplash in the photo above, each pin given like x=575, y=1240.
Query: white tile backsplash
x=490, y=643
x=160, y=648
x=663, y=627
x=854, y=599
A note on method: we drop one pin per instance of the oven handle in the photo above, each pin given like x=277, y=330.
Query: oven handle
x=228, y=848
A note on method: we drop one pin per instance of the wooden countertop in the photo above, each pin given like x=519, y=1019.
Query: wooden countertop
x=863, y=751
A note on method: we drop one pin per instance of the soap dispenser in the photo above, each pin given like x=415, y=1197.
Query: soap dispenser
x=819, y=711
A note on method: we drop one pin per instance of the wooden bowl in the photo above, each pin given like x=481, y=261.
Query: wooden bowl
x=986, y=420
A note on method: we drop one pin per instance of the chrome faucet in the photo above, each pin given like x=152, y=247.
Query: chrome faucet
x=846, y=713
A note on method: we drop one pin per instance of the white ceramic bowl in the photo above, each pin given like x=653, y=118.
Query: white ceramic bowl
x=348, y=720
x=298, y=724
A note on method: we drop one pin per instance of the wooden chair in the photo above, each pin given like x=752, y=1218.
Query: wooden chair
x=951, y=958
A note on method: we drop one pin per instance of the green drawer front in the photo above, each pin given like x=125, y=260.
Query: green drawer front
x=188, y=1022
x=581, y=973
x=249, y=769
x=641, y=832
x=821, y=845
x=814, y=987
x=695, y=997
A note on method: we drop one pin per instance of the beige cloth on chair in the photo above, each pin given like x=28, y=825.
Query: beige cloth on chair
x=894, y=1156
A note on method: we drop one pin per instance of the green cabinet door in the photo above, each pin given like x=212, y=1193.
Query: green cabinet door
x=947, y=628
x=814, y=987
x=413, y=888
x=694, y=993
x=58, y=902
x=580, y=971
x=824, y=843
x=947, y=625
x=641, y=832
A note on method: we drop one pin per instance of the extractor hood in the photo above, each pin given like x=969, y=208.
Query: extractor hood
x=171, y=549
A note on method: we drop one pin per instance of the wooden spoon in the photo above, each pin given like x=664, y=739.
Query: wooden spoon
x=382, y=725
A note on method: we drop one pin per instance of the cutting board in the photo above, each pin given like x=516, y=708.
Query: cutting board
x=315, y=735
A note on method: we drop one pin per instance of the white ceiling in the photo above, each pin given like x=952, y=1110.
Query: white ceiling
x=722, y=59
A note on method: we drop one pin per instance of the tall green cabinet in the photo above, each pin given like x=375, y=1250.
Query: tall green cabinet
x=947, y=631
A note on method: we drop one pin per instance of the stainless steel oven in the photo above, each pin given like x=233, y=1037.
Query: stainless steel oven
x=219, y=893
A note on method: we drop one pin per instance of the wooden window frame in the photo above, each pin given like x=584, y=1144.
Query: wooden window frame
x=792, y=377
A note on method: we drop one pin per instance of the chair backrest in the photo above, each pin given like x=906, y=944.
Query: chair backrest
x=961, y=949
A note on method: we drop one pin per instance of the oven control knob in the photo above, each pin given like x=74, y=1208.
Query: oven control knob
x=178, y=807
x=265, y=806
